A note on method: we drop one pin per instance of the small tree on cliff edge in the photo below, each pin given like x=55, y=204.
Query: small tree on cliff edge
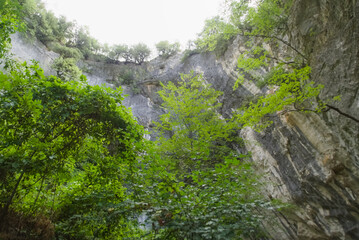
x=140, y=52
x=166, y=49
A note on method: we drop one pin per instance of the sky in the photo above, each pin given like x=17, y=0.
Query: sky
x=134, y=21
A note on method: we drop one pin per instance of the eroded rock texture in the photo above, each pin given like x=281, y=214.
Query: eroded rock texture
x=313, y=159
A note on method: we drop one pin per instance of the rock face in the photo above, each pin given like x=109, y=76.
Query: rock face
x=26, y=50
x=316, y=156
x=309, y=160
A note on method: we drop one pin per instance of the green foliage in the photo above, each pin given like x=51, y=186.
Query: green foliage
x=140, y=52
x=84, y=42
x=73, y=41
x=192, y=185
x=216, y=36
x=64, y=51
x=9, y=23
x=263, y=25
x=214, y=203
x=66, y=149
x=166, y=49
x=249, y=61
x=193, y=123
x=121, y=51
x=64, y=145
x=60, y=35
x=44, y=25
x=137, y=53
x=126, y=77
x=289, y=88
x=66, y=69
x=268, y=18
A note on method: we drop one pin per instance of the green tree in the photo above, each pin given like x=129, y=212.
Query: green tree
x=65, y=151
x=82, y=41
x=121, y=51
x=66, y=69
x=10, y=12
x=264, y=26
x=66, y=52
x=166, y=49
x=140, y=52
x=193, y=122
x=45, y=125
x=216, y=36
x=192, y=185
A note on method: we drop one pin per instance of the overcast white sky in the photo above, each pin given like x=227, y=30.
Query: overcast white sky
x=134, y=21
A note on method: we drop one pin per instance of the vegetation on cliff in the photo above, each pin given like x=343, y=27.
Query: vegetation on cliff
x=74, y=162
x=196, y=185
x=66, y=151
x=287, y=72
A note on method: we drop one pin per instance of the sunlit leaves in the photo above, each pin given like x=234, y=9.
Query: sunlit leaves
x=192, y=121
x=166, y=49
x=288, y=88
x=65, y=143
x=193, y=185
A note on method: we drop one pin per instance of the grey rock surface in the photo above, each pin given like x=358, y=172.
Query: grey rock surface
x=26, y=50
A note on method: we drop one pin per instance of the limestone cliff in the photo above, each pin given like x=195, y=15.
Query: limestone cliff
x=309, y=160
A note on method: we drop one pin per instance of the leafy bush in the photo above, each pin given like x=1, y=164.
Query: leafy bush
x=166, y=49
x=63, y=146
x=64, y=51
x=192, y=185
x=140, y=52
x=216, y=36
x=66, y=69
x=126, y=77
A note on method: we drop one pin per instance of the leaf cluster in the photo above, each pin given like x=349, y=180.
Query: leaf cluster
x=66, y=69
x=10, y=14
x=216, y=36
x=64, y=149
x=166, y=49
x=137, y=53
x=193, y=185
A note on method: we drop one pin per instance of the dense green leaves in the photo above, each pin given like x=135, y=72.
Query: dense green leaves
x=193, y=185
x=192, y=122
x=10, y=12
x=121, y=51
x=64, y=143
x=288, y=88
x=166, y=49
x=137, y=53
x=263, y=25
x=140, y=52
x=73, y=154
x=216, y=36
x=66, y=69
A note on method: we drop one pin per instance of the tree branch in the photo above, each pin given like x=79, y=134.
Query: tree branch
x=281, y=40
x=342, y=113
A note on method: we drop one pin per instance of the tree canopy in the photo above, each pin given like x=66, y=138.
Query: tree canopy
x=288, y=74
x=166, y=49
x=194, y=185
x=66, y=150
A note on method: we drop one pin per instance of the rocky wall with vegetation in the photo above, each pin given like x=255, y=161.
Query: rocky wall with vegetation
x=308, y=159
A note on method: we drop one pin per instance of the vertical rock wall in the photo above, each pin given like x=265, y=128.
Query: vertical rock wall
x=312, y=159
